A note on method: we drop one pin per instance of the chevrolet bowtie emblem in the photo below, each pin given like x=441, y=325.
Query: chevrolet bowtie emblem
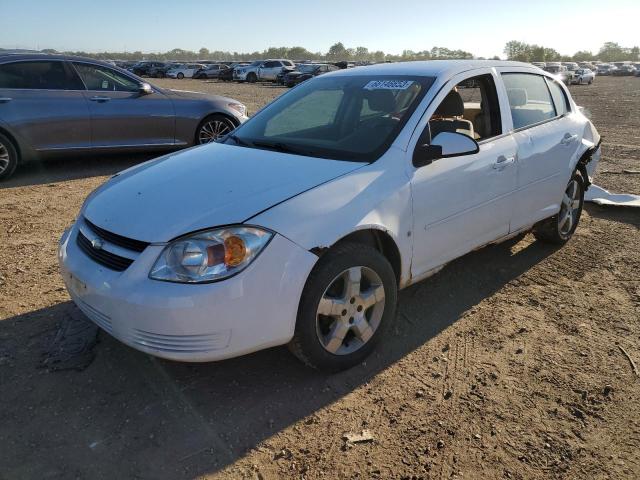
x=97, y=244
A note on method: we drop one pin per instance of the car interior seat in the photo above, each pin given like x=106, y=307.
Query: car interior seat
x=446, y=118
x=518, y=99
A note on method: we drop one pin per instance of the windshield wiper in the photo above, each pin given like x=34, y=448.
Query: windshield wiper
x=279, y=146
x=239, y=141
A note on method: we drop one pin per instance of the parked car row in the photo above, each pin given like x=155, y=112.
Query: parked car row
x=568, y=71
x=281, y=71
x=56, y=104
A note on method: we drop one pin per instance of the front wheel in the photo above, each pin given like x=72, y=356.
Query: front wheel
x=346, y=309
x=560, y=228
x=212, y=128
x=252, y=78
x=180, y=76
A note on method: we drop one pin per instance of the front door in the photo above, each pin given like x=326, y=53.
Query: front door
x=122, y=116
x=463, y=202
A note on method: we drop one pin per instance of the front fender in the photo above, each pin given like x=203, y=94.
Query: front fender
x=374, y=197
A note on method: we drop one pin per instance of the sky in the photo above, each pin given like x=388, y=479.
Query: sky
x=480, y=27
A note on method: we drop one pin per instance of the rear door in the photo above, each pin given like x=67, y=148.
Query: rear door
x=547, y=138
x=270, y=70
x=43, y=103
x=120, y=115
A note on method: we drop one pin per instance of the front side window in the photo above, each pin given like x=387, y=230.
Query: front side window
x=38, y=75
x=529, y=99
x=470, y=108
x=345, y=117
x=100, y=78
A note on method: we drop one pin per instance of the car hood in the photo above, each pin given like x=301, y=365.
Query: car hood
x=203, y=187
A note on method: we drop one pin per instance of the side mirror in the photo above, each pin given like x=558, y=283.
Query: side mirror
x=444, y=145
x=145, y=89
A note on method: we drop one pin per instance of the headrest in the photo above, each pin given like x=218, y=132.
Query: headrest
x=451, y=106
x=517, y=97
x=381, y=100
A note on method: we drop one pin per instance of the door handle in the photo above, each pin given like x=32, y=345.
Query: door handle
x=503, y=162
x=99, y=99
x=5, y=99
x=568, y=139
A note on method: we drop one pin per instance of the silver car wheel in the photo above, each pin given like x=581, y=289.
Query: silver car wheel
x=213, y=130
x=350, y=310
x=4, y=158
x=569, y=208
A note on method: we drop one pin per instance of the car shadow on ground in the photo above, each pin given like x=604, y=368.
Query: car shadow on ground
x=129, y=414
x=39, y=172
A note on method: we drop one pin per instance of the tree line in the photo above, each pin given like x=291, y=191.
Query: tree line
x=337, y=52
x=514, y=50
x=609, y=52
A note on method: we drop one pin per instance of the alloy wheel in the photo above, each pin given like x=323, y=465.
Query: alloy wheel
x=4, y=158
x=350, y=310
x=569, y=209
x=212, y=130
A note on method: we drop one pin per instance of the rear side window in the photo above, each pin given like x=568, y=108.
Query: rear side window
x=529, y=99
x=38, y=75
x=559, y=98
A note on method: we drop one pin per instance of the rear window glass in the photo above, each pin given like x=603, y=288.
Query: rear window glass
x=39, y=75
x=529, y=99
x=559, y=98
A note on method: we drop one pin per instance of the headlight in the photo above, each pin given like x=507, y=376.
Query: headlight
x=210, y=255
x=238, y=107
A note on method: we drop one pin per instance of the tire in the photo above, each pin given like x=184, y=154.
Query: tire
x=180, y=76
x=213, y=127
x=345, y=337
x=8, y=157
x=252, y=78
x=554, y=229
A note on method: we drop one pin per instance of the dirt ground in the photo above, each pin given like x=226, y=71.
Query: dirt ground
x=509, y=363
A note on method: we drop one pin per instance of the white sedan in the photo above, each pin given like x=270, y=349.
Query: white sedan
x=583, y=76
x=184, y=70
x=301, y=226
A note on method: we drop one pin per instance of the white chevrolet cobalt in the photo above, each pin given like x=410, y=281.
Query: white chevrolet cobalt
x=301, y=226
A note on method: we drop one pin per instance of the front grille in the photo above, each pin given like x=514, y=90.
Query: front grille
x=119, y=240
x=108, y=259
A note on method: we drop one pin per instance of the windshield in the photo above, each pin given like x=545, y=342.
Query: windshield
x=553, y=69
x=337, y=117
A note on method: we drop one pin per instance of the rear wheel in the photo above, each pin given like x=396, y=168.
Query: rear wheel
x=559, y=228
x=346, y=308
x=212, y=128
x=8, y=157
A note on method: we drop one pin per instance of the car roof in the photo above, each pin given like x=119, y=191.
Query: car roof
x=430, y=68
x=10, y=57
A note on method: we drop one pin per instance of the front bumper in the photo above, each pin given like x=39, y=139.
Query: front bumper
x=253, y=310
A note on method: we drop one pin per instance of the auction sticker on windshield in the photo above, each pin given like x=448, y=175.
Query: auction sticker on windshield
x=388, y=84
